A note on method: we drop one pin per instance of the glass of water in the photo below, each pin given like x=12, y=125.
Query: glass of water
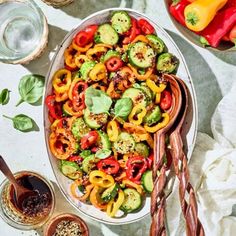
x=23, y=31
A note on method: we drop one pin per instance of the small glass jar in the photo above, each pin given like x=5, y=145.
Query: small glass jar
x=13, y=216
x=23, y=31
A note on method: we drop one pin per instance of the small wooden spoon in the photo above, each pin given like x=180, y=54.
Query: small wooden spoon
x=21, y=193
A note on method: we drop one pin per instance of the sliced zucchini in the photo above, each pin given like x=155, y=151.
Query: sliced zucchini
x=121, y=21
x=89, y=163
x=110, y=193
x=71, y=169
x=153, y=116
x=79, y=128
x=110, y=54
x=86, y=68
x=106, y=34
x=141, y=55
x=94, y=121
x=147, y=181
x=142, y=149
x=132, y=202
x=104, y=141
x=137, y=96
x=156, y=43
x=125, y=143
x=167, y=63
x=148, y=92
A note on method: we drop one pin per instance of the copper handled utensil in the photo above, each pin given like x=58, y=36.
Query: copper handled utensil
x=158, y=199
x=21, y=193
x=180, y=162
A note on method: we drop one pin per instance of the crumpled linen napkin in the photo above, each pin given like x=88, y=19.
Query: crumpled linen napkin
x=213, y=175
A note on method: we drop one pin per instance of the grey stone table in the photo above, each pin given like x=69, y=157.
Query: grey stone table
x=213, y=75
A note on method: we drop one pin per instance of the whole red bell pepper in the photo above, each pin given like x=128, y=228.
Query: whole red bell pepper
x=219, y=27
x=176, y=9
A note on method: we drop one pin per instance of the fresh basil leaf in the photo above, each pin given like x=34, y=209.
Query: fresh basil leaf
x=31, y=88
x=97, y=101
x=123, y=107
x=103, y=153
x=23, y=123
x=4, y=96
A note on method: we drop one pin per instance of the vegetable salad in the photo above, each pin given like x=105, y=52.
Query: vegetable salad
x=106, y=104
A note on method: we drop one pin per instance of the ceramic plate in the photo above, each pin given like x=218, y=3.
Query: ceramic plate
x=189, y=129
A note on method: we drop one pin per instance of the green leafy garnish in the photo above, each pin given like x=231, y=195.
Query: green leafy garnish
x=31, y=89
x=123, y=107
x=97, y=101
x=4, y=96
x=103, y=153
x=23, y=123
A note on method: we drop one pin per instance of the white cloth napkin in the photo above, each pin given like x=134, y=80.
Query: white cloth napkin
x=213, y=175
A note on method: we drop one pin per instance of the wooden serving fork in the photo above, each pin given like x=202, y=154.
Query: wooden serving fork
x=158, y=198
x=180, y=162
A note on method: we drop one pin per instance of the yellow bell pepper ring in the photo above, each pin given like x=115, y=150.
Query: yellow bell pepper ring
x=112, y=130
x=95, y=198
x=160, y=125
x=61, y=81
x=99, y=72
x=154, y=87
x=81, y=49
x=141, y=77
x=129, y=183
x=158, y=98
x=68, y=108
x=137, y=114
x=79, y=60
x=74, y=187
x=101, y=179
x=113, y=206
x=60, y=139
x=141, y=38
x=60, y=97
x=96, y=50
x=200, y=13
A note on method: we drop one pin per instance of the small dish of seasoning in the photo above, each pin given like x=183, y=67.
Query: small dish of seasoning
x=35, y=210
x=67, y=225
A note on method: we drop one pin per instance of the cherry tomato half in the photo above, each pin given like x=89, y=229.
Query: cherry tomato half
x=88, y=139
x=145, y=26
x=166, y=100
x=82, y=39
x=91, y=30
x=109, y=166
x=114, y=63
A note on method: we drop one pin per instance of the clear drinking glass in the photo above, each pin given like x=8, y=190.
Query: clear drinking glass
x=23, y=30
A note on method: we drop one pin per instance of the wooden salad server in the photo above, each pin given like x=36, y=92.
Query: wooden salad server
x=158, y=198
x=186, y=192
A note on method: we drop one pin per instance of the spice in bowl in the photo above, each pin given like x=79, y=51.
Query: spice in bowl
x=66, y=225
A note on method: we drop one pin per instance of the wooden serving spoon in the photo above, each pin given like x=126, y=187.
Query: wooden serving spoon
x=158, y=195
x=21, y=193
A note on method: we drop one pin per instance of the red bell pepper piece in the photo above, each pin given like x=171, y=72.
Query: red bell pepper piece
x=133, y=32
x=54, y=107
x=75, y=158
x=145, y=26
x=88, y=139
x=166, y=100
x=176, y=9
x=150, y=160
x=109, y=166
x=219, y=27
x=136, y=166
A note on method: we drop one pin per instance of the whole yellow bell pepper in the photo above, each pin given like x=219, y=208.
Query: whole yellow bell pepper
x=113, y=206
x=101, y=179
x=159, y=125
x=138, y=111
x=200, y=13
x=112, y=130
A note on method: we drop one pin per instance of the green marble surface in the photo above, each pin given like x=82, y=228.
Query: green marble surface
x=212, y=73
